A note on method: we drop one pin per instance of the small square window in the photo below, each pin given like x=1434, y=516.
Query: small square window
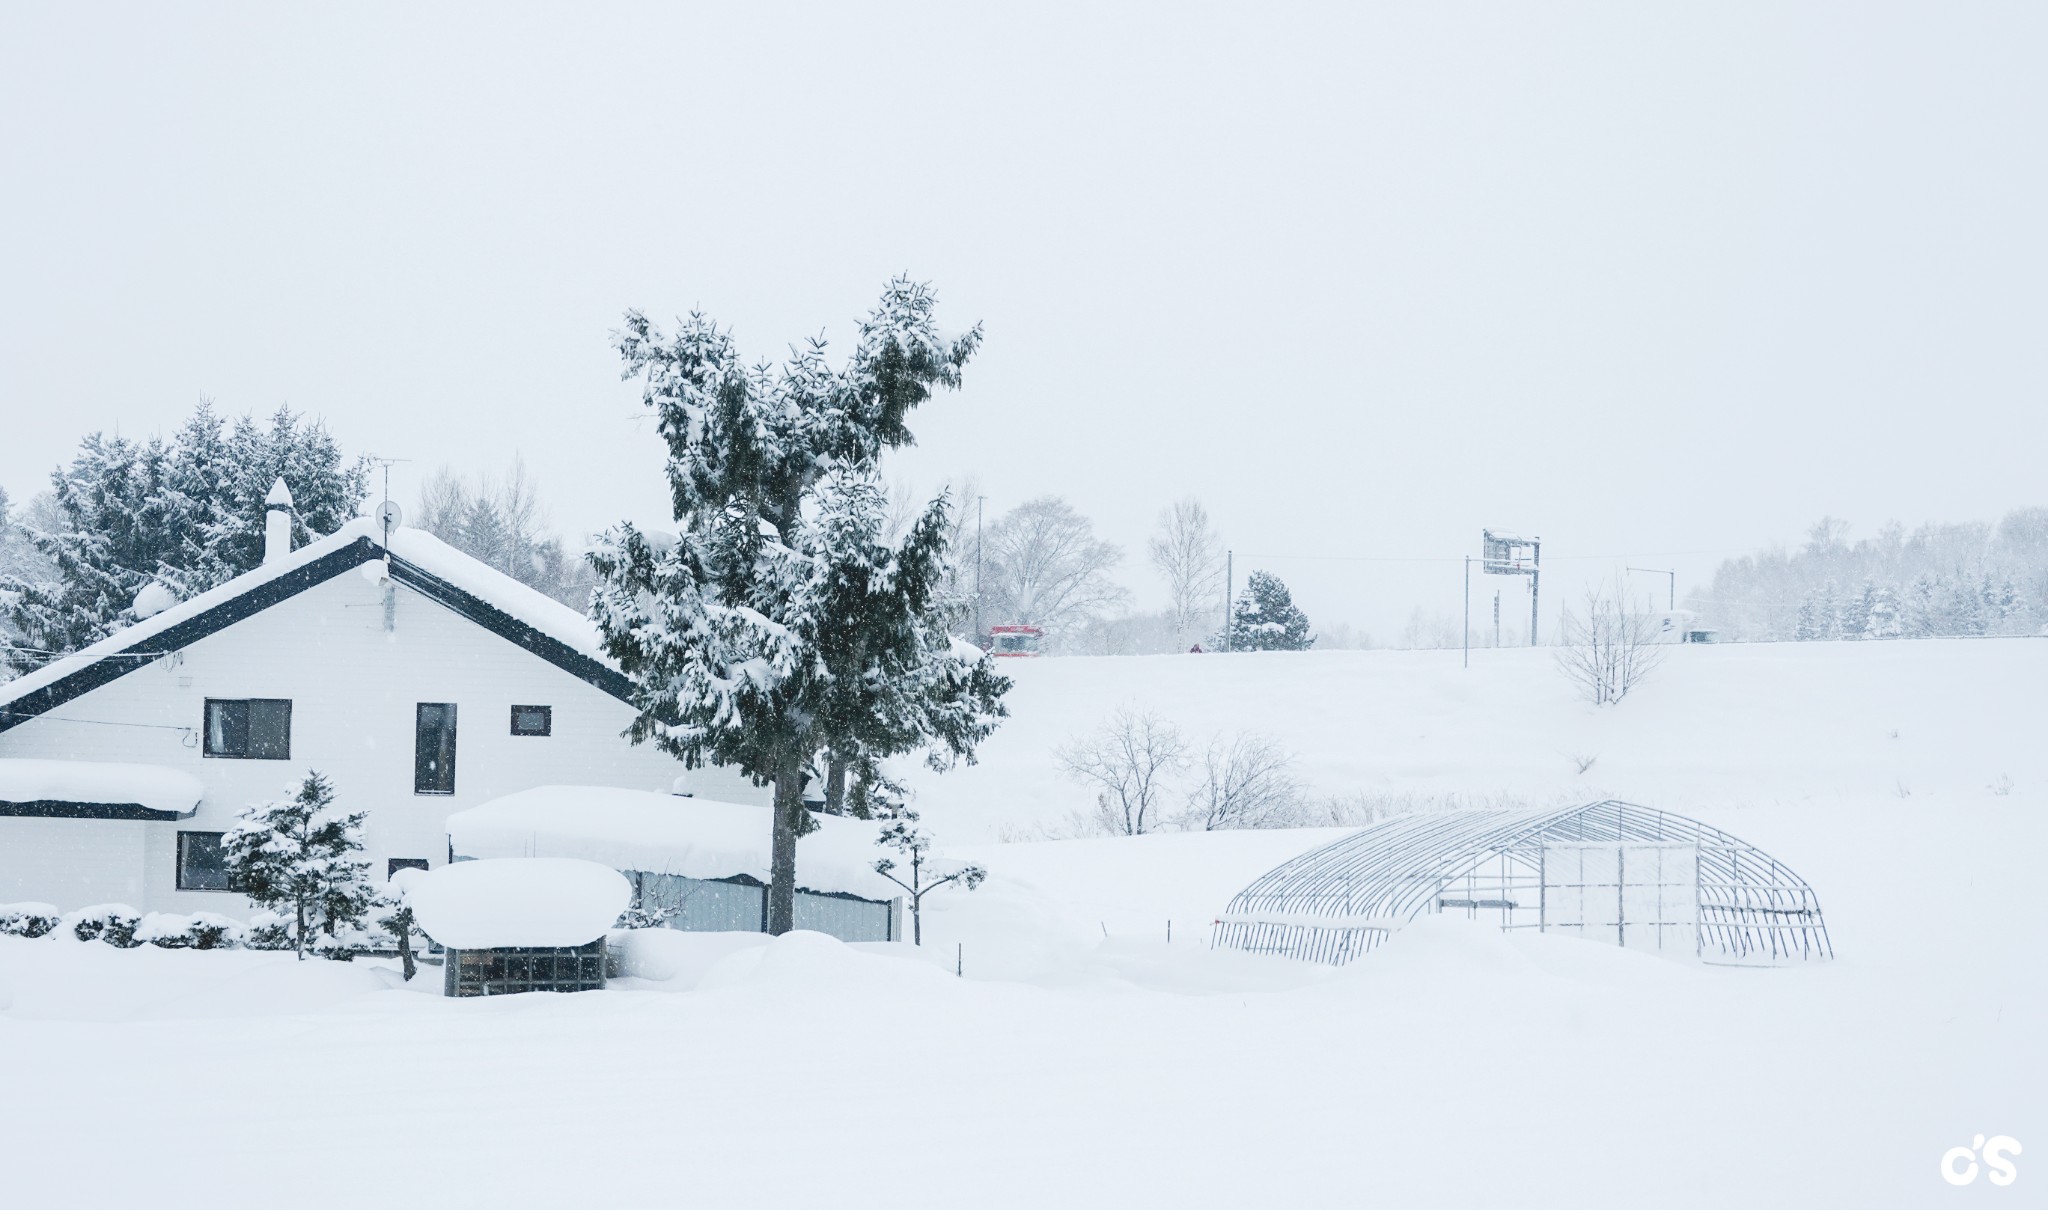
x=395, y=864
x=533, y=720
x=202, y=863
x=249, y=728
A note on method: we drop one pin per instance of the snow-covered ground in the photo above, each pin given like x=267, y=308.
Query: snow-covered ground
x=1086, y=1060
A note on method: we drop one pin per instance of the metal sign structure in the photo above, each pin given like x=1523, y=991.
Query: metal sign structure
x=1505, y=555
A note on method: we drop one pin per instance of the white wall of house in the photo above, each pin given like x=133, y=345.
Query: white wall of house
x=72, y=863
x=354, y=687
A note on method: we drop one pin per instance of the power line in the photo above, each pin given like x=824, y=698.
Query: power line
x=1640, y=554
x=96, y=722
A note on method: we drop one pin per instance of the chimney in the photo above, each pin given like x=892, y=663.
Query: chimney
x=277, y=522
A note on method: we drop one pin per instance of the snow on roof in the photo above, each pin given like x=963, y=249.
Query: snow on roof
x=493, y=587
x=416, y=547
x=667, y=834
x=99, y=783
x=518, y=901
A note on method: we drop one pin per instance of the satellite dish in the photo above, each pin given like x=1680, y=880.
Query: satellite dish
x=389, y=515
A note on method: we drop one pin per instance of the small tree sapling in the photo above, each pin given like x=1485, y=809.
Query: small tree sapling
x=903, y=835
x=297, y=855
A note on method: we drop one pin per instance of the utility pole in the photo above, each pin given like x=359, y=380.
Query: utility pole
x=1496, y=617
x=1671, y=602
x=1535, y=580
x=979, y=502
x=1229, y=587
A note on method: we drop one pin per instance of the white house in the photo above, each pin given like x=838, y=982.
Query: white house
x=420, y=681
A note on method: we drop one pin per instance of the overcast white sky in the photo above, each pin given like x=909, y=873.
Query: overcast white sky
x=1651, y=280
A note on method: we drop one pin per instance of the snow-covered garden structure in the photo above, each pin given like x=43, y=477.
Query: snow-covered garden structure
x=693, y=863
x=1611, y=871
x=521, y=924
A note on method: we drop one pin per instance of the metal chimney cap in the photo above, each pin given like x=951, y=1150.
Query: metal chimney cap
x=280, y=496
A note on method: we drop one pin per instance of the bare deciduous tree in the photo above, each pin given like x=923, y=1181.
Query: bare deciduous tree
x=1129, y=763
x=500, y=521
x=1190, y=557
x=1244, y=782
x=1043, y=566
x=1607, y=648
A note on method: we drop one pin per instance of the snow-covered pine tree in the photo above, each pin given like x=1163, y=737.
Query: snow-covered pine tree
x=297, y=855
x=1881, y=618
x=1855, y=612
x=779, y=625
x=1266, y=619
x=1921, y=612
x=228, y=470
x=1810, y=625
x=114, y=536
x=187, y=513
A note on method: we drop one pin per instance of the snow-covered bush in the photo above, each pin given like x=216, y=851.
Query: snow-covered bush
x=113, y=923
x=269, y=931
x=27, y=919
x=198, y=931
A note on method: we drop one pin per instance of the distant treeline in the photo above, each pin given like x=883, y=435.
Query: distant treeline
x=1973, y=578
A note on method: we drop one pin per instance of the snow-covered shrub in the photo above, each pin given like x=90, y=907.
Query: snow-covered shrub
x=268, y=931
x=27, y=919
x=647, y=916
x=199, y=931
x=113, y=923
x=345, y=944
x=298, y=855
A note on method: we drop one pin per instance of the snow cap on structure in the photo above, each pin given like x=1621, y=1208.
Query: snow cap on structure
x=509, y=902
x=153, y=600
x=277, y=522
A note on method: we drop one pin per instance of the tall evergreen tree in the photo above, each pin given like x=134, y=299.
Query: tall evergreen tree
x=780, y=626
x=187, y=513
x=1266, y=619
x=298, y=855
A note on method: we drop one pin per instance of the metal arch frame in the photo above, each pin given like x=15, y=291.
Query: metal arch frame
x=1336, y=902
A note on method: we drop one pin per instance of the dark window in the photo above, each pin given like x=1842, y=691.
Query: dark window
x=533, y=720
x=433, y=754
x=396, y=864
x=250, y=728
x=202, y=866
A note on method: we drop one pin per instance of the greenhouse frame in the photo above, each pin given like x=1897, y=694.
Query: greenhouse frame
x=1613, y=871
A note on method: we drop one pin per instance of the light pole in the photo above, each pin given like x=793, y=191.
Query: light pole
x=979, y=501
x=1671, y=602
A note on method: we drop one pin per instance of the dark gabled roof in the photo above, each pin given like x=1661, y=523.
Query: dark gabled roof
x=116, y=656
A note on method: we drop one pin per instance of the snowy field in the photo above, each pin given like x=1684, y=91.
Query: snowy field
x=1085, y=1060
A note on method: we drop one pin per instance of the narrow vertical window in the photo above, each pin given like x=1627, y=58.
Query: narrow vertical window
x=433, y=758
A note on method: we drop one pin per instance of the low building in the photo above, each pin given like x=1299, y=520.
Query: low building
x=519, y=925
x=419, y=680
x=698, y=864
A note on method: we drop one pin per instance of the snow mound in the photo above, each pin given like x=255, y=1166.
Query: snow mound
x=518, y=901
x=666, y=834
x=674, y=958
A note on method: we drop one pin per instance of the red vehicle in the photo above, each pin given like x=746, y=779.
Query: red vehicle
x=1014, y=641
